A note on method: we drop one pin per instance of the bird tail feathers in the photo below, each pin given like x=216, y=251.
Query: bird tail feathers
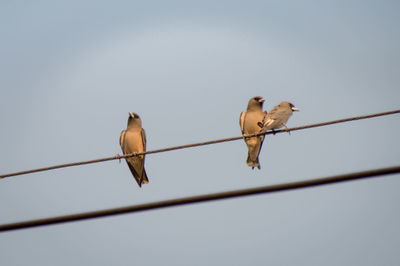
x=253, y=163
x=145, y=180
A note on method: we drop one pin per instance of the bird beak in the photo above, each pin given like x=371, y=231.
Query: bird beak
x=131, y=114
x=295, y=109
x=261, y=100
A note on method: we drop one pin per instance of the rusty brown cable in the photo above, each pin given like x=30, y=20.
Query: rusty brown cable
x=118, y=157
x=201, y=198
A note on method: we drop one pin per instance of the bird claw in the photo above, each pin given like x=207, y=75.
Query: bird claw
x=287, y=129
x=118, y=157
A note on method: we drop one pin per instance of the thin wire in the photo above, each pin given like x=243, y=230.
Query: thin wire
x=200, y=198
x=119, y=157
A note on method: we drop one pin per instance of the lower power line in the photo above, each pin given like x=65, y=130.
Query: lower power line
x=201, y=198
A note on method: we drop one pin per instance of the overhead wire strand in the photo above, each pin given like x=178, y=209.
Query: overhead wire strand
x=118, y=157
x=201, y=198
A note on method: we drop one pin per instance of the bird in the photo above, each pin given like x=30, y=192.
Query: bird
x=133, y=140
x=278, y=117
x=248, y=122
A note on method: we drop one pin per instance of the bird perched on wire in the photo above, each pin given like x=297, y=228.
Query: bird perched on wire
x=278, y=116
x=249, y=125
x=132, y=140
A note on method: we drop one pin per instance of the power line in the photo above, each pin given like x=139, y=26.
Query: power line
x=118, y=157
x=201, y=198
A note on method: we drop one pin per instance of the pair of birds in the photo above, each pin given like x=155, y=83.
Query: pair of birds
x=254, y=120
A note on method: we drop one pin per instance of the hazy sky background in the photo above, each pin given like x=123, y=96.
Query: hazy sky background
x=71, y=71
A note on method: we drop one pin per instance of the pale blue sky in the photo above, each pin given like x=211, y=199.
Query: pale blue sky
x=70, y=72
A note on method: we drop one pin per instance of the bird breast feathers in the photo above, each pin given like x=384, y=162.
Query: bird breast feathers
x=133, y=141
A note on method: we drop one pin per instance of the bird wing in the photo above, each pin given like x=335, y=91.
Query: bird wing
x=262, y=137
x=279, y=112
x=143, y=134
x=135, y=174
x=122, y=139
x=241, y=121
x=145, y=180
x=273, y=113
x=262, y=123
x=276, y=118
x=268, y=121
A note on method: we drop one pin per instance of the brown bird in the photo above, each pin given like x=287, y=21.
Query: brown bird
x=132, y=140
x=278, y=116
x=249, y=125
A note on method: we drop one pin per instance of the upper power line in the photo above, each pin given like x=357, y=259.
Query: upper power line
x=118, y=157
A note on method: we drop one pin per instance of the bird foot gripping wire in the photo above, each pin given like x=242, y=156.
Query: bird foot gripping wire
x=287, y=130
x=119, y=157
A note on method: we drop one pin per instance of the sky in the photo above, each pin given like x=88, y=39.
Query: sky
x=70, y=71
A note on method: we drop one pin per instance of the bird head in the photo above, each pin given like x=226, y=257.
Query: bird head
x=134, y=119
x=255, y=103
x=289, y=106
